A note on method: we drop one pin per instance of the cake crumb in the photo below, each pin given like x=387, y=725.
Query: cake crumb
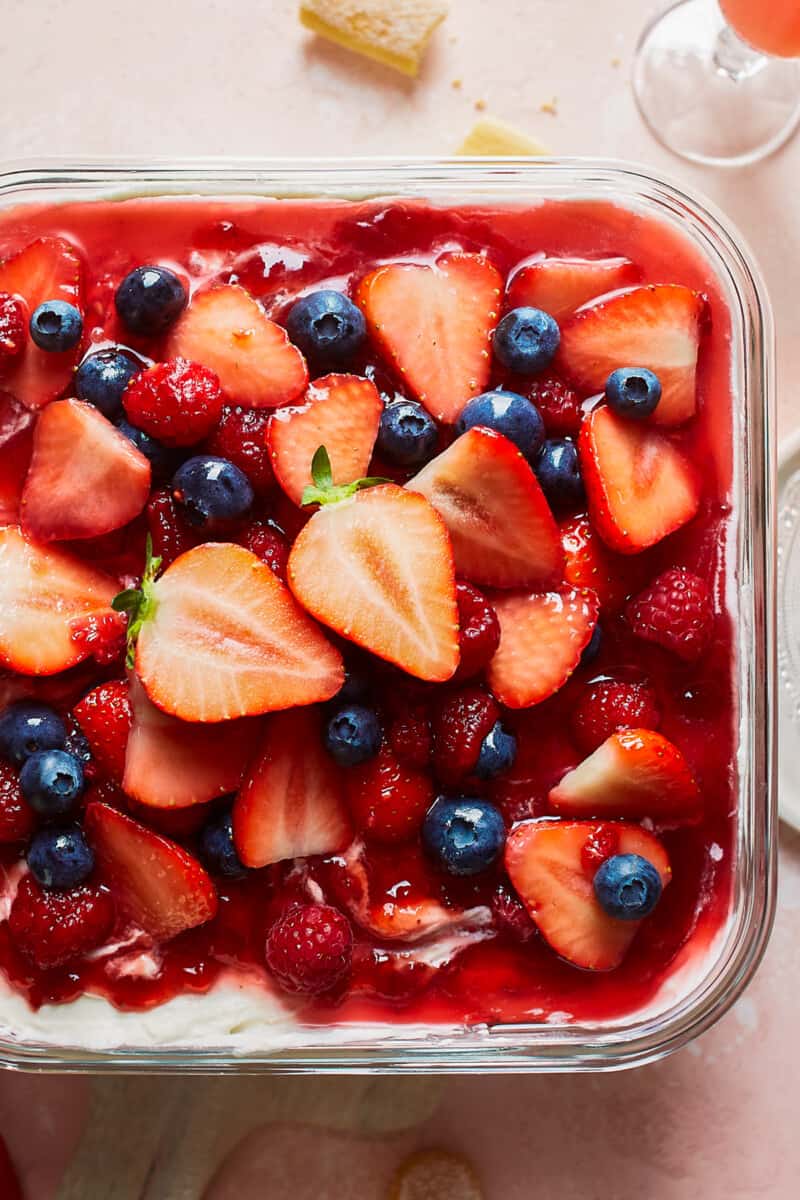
x=480, y=105
x=457, y=84
x=616, y=61
x=550, y=107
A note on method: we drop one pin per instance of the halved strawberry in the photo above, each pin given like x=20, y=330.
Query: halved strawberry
x=341, y=413
x=657, y=326
x=292, y=803
x=560, y=285
x=156, y=883
x=225, y=329
x=16, y=448
x=542, y=637
x=42, y=591
x=554, y=879
x=502, y=530
x=175, y=764
x=378, y=569
x=589, y=563
x=638, y=484
x=85, y=477
x=635, y=773
x=47, y=269
x=434, y=325
x=219, y=636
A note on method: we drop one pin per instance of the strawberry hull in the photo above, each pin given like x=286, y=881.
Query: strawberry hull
x=394, y=897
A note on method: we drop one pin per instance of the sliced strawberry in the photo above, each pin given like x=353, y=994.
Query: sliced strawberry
x=85, y=477
x=16, y=448
x=638, y=484
x=225, y=639
x=378, y=569
x=105, y=716
x=502, y=530
x=47, y=269
x=657, y=326
x=636, y=773
x=542, y=637
x=554, y=879
x=560, y=285
x=434, y=325
x=292, y=803
x=42, y=591
x=589, y=563
x=159, y=885
x=176, y=764
x=226, y=329
x=341, y=413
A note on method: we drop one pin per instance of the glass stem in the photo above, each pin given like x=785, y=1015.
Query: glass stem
x=734, y=58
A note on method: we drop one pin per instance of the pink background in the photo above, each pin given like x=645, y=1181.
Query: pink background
x=719, y=1118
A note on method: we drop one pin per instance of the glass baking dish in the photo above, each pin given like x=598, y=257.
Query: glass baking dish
x=690, y=1006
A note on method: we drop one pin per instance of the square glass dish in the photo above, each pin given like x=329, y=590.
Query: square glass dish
x=719, y=954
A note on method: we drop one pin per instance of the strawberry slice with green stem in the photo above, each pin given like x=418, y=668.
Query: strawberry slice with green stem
x=553, y=876
x=342, y=412
x=501, y=528
x=375, y=565
x=47, y=269
x=218, y=636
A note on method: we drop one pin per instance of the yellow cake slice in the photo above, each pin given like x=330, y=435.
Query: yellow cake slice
x=489, y=136
x=394, y=32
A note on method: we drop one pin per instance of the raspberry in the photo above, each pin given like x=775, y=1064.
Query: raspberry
x=13, y=328
x=101, y=635
x=310, y=949
x=479, y=631
x=559, y=406
x=178, y=402
x=674, y=612
x=601, y=844
x=410, y=737
x=609, y=705
x=459, y=727
x=52, y=928
x=105, y=717
x=171, y=533
x=267, y=543
x=241, y=437
x=16, y=818
x=388, y=799
x=510, y=914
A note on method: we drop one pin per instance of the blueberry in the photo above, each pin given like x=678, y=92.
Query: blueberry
x=559, y=473
x=407, y=435
x=464, y=836
x=507, y=413
x=218, y=849
x=102, y=378
x=352, y=735
x=56, y=326
x=627, y=886
x=633, y=392
x=149, y=299
x=163, y=459
x=497, y=753
x=526, y=340
x=26, y=727
x=327, y=327
x=592, y=650
x=51, y=782
x=60, y=858
x=214, y=493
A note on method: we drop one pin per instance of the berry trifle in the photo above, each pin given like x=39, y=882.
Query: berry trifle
x=366, y=619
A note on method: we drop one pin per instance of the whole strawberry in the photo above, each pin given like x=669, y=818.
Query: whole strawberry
x=267, y=542
x=675, y=612
x=52, y=928
x=310, y=949
x=16, y=817
x=610, y=705
x=171, y=533
x=460, y=724
x=388, y=798
x=105, y=717
x=178, y=402
x=102, y=635
x=478, y=631
x=13, y=328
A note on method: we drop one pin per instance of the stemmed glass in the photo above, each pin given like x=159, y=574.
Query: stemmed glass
x=720, y=82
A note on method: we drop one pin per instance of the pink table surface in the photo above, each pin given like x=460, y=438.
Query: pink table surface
x=719, y=1118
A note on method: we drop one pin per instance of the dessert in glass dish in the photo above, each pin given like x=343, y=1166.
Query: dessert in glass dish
x=369, y=621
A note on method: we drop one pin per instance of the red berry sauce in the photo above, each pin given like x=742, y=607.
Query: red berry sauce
x=506, y=978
